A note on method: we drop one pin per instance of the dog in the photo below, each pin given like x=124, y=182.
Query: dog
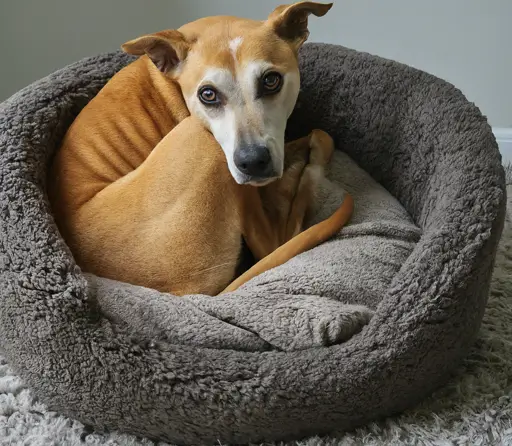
x=180, y=160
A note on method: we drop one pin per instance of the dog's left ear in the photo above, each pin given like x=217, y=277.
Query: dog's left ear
x=167, y=49
x=290, y=22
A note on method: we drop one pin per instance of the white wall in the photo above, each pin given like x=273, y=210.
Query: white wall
x=467, y=42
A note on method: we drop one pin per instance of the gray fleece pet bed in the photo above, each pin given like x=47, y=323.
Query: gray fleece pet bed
x=358, y=328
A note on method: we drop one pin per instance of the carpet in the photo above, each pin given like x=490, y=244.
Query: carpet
x=475, y=408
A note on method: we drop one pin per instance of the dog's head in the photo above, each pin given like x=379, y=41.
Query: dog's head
x=240, y=78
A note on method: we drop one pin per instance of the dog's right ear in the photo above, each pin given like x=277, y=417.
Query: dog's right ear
x=167, y=49
x=290, y=22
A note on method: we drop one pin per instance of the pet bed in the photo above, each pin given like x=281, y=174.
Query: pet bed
x=358, y=328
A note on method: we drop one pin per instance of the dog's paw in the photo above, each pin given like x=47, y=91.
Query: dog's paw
x=322, y=148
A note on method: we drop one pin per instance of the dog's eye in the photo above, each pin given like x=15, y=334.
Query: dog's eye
x=208, y=96
x=271, y=82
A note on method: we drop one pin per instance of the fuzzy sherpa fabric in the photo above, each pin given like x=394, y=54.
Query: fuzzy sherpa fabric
x=279, y=362
x=474, y=408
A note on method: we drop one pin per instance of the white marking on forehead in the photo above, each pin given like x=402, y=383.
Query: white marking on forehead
x=234, y=45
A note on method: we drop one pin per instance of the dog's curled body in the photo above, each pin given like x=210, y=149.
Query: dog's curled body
x=142, y=193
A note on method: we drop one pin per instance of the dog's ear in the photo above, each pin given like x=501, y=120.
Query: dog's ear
x=290, y=22
x=167, y=49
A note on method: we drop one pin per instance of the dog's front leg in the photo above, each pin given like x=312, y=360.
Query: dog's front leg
x=259, y=232
x=300, y=241
x=275, y=213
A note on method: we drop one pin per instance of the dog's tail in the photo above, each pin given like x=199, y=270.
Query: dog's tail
x=302, y=242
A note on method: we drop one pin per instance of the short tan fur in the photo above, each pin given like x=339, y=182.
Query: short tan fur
x=153, y=186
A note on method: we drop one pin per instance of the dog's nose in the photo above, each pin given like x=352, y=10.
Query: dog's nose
x=254, y=161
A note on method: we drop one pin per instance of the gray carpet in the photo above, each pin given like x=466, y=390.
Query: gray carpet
x=475, y=408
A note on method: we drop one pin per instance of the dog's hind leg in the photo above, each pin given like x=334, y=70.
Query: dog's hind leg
x=172, y=224
x=322, y=147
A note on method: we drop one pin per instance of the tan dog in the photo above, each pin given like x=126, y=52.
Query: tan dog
x=141, y=189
